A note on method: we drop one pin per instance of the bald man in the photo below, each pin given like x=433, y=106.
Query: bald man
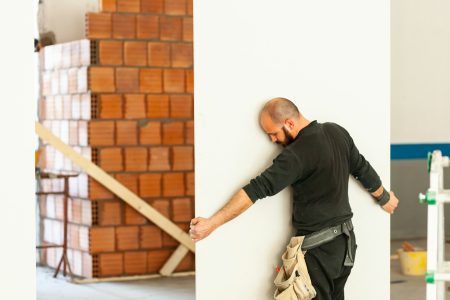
x=316, y=161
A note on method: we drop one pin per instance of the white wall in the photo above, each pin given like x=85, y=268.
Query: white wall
x=65, y=18
x=420, y=71
x=17, y=75
x=332, y=59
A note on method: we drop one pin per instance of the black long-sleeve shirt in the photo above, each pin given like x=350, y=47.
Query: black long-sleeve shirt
x=317, y=164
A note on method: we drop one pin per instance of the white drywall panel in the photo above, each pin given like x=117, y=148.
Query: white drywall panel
x=332, y=59
x=420, y=71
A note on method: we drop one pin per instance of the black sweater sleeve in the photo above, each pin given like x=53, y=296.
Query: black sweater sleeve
x=284, y=171
x=361, y=169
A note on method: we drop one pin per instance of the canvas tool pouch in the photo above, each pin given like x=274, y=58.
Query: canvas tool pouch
x=293, y=281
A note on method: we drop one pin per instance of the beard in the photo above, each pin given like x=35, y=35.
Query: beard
x=288, y=138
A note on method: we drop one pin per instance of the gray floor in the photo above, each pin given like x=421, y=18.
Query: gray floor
x=183, y=288
x=49, y=288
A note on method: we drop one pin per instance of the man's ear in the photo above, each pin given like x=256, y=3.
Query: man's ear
x=289, y=124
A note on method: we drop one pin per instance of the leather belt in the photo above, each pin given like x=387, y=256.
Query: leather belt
x=321, y=237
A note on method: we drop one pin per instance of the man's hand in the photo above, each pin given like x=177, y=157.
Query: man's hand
x=201, y=228
x=392, y=203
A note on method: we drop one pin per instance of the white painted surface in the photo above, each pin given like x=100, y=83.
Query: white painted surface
x=332, y=59
x=420, y=71
x=66, y=18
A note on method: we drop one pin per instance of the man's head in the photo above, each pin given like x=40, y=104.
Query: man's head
x=281, y=120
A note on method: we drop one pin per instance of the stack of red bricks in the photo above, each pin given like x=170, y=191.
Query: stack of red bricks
x=123, y=99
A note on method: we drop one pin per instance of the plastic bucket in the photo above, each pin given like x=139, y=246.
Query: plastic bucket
x=413, y=262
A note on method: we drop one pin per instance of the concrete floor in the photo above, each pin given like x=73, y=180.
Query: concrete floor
x=49, y=288
x=183, y=288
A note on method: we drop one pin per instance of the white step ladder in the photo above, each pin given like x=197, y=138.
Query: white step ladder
x=438, y=270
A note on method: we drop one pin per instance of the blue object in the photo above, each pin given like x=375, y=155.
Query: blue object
x=417, y=151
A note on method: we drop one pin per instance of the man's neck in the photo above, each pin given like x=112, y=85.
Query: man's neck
x=303, y=122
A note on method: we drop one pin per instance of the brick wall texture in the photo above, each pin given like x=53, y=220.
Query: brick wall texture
x=123, y=98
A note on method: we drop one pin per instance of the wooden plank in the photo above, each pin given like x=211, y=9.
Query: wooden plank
x=174, y=260
x=117, y=188
x=128, y=278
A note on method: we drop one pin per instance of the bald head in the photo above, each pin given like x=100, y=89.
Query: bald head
x=280, y=109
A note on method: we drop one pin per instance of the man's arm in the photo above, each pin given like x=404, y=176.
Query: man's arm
x=391, y=205
x=202, y=227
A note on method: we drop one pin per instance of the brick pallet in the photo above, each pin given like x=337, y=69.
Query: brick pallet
x=123, y=99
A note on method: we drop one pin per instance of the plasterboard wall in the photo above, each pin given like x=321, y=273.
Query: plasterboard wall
x=332, y=59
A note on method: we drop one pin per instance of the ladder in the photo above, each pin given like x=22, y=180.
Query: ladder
x=438, y=270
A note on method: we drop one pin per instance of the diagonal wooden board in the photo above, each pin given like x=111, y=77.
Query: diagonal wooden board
x=125, y=194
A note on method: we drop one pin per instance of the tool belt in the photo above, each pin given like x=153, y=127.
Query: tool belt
x=292, y=281
x=321, y=237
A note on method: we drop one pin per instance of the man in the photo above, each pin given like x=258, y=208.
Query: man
x=316, y=161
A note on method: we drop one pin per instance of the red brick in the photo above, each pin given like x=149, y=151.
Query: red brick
x=158, y=54
x=173, y=133
x=150, y=237
x=150, y=134
x=110, y=213
x=101, y=133
x=110, y=264
x=135, y=53
x=147, y=27
x=127, y=80
x=181, y=106
x=150, y=185
x=126, y=133
x=85, y=107
x=163, y=206
x=159, y=159
x=157, y=106
x=73, y=81
x=135, y=106
x=135, y=262
x=182, y=55
x=183, y=158
x=111, y=52
x=108, y=5
x=110, y=106
x=175, y=7
x=182, y=210
x=128, y=180
x=136, y=159
x=152, y=6
x=101, y=79
x=190, y=7
x=67, y=106
x=111, y=159
x=190, y=81
x=86, y=212
x=150, y=81
x=127, y=237
x=124, y=26
x=190, y=184
x=86, y=269
x=190, y=132
x=133, y=217
x=187, y=264
x=171, y=28
x=173, y=184
x=98, y=191
x=102, y=239
x=59, y=207
x=82, y=84
x=75, y=211
x=128, y=5
x=169, y=241
x=74, y=236
x=63, y=82
x=157, y=259
x=98, y=25
x=188, y=28
x=174, y=81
